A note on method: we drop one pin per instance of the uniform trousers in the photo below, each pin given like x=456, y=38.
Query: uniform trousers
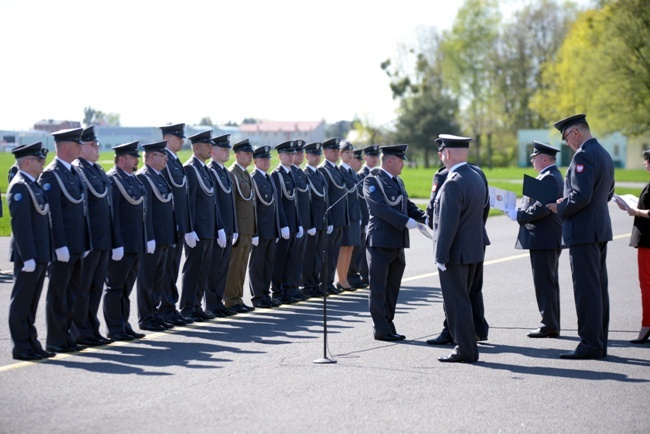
x=196, y=270
x=239, y=255
x=62, y=291
x=313, y=261
x=93, y=276
x=589, y=272
x=285, y=257
x=25, y=296
x=120, y=279
x=547, y=287
x=358, y=271
x=151, y=279
x=386, y=267
x=295, y=271
x=169, y=295
x=218, y=275
x=260, y=269
x=333, y=241
x=455, y=283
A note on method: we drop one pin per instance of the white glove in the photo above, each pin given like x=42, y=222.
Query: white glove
x=221, y=238
x=255, y=241
x=29, y=266
x=62, y=254
x=311, y=231
x=512, y=214
x=151, y=246
x=191, y=239
x=85, y=253
x=285, y=232
x=235, y=237
x=441, y=266
x=330, y=228
x=301, y=232
x=118, y=254
x=411, y=224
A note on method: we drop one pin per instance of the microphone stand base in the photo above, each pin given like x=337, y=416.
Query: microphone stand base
x=324, y=360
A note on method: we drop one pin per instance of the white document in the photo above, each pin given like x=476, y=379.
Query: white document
x=502, y=199
x=627, y=200
x=425, y=231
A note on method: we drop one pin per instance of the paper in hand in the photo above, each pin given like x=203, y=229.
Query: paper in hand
x=502, y=199
x=627, y=200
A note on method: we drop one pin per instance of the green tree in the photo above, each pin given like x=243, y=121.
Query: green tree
x=98, y=117
x=206, y=121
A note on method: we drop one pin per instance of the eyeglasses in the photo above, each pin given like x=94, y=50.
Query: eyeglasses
x=567, y=134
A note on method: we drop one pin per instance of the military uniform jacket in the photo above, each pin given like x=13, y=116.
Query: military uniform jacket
x=160, y=206
x=30, y=221
x=270, y=216
x=318, y=192
x=244, y=200
x=286, y=188
x=225, y=197
x=204, y=216
x=336, y=189
x=539, y=227
x=133, y=225
x=67, y=200
x=588, y=187
x=390, y=209
x=351, y=179
x=459, y=232
x=174, y=174
x=99, y=191
x=304, y=197
x=363, y=206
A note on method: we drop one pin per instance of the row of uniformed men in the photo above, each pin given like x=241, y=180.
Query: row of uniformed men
x=93, y=229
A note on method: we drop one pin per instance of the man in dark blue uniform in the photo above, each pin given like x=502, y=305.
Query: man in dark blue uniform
x=205, y=220
x=586, y=229
x=284, y=288
x=540, y=231
x=160, y=209
x=313, y=259
x=71, y=239
x=338, y=216
x=31, y=249
x=303, y=193
x=95, y=264
x=134, y=238
x=214, y=302
x=174, y=173
x=392, y=214
x=459, y=242
x=270, y=220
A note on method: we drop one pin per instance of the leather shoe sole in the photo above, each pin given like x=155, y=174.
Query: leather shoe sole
x=575, y=356
x=452, y=358
x=389, y=337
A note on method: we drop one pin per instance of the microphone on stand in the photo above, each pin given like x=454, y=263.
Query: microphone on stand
x=323, y=284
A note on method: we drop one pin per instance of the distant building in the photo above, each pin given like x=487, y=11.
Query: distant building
x=273, y=133
x=51, y=125
x=616, y=144
x=9, y=139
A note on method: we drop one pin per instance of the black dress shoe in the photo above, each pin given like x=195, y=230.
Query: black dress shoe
x=121, y=337
x=331, y=289
x=135, y=335
x=641, y=340
x=44, y=354
x=164, y=323
x=205, y=315
x=248, y=308
x=579, y=355
x=28, y=355
x=263, y=304
x=389, y=337
x=91, y=342
x=188, y=319
x=276, y=302
x=539, y=333
x=103, y=340
x=401, y=337
x=452, y=358
x=78, y=347
x=152, y=326
x=177, y=321
x=226, y=311
x=442, y=339
x=239, y=308
x=59, y=349
x=342, y=288
x=287, y=299
x=299, y=296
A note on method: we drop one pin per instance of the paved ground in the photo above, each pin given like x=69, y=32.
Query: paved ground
x=255, y=372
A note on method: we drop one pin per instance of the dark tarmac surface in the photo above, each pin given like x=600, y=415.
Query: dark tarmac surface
x=255, y=372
